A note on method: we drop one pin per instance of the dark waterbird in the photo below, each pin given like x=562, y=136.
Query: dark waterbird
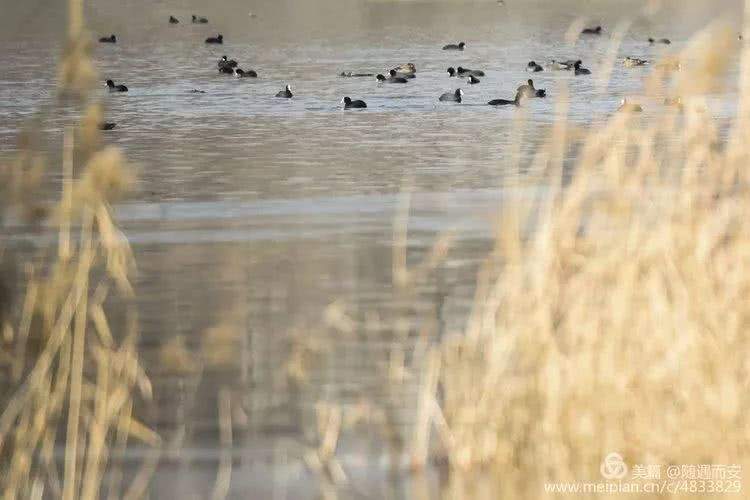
x=579, y=70
x=455, y=96
x=173, y=20
x=241, y=73
x=533, y=67
x=217, y=39
x=505, y=102
x=199, y=20
x=467, y=72
x=455, y=46
x=227, y=70
x=107, y=125
x=391, y=79
x=116, y=88
x=349, y=104
x=226, y=63
x=592, y=31
x=108, y=39
x=473, y=79
x=665, y=41
x=287, y=92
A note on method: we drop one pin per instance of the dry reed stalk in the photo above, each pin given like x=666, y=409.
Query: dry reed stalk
x=224, y=473
x=67, y=196
x=64, y=296
x=421, y=440
x=70, y=489
x=29, y=304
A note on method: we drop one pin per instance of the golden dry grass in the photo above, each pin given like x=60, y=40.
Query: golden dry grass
x=620, y=323
x=76, y=376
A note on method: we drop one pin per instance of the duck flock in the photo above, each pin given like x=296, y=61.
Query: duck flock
x=403, y=73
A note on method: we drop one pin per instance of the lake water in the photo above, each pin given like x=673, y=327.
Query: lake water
x=253, y=214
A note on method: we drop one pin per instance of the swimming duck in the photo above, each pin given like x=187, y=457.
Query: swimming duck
x=217, y=39
x=529, y=91
x=391, y=79
x=466, y=72
x=396, y=74
x=226, y=63
x=579, y=70
x=196, y=91
x=452, y=96
x=592, y=31
x=473, y=79
x=561, y=65
x=629, y=107
x=505, y=102
x=533, y=67
x=287, y=92
x=107, y=125
x=349, y=74
x=116, y=88
x=455, y=46
x=349, y=104
x=199, y=20
x=406, y=69
x=631, y=62
x=173, y=20
x=108, y=39
x=226, y=70
x=665, y=41
x=241, y=73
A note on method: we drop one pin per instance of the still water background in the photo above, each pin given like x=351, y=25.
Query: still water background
x=253, y=214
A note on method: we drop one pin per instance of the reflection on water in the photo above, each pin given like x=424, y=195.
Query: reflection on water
x=263, y=228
